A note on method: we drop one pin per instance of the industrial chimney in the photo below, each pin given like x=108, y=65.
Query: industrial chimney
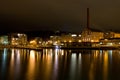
x=88, y=17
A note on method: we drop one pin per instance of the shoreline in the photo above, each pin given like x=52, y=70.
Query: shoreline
x=62, y=47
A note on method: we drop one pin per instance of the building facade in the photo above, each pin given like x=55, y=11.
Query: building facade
x=18, y=39
x=88, y=35
x=4, y=40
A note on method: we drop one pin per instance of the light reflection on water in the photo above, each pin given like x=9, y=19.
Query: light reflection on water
x=57, y=64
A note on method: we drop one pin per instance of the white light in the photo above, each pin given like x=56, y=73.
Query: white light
x=40, y=42
x=110, y=43
x=79, y=35
x=79, y=41
x=73, y=35
x=65, y=41
x=56, y=47
x=106, y=39
x=100, y=42
x=19, y=34
x=92, y=40
x=51, y=36
x=70, y=41
x=62, y=44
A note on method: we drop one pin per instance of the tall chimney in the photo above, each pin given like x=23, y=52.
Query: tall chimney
x=88, y=17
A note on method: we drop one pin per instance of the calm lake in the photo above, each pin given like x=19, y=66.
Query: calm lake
x=59, y=64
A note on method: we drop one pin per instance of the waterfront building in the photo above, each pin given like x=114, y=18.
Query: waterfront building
x=110, y=42
x=116, y=35
x=63, y=40
x=108, y=34
x=4, y=40
x=111, y=34
x=18, y=39
x=36, y=42
x=54, y=40
x=110, y=39
x=69, y=38
x=91, y=35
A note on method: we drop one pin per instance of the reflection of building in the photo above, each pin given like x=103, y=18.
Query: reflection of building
x=4, y=40
x=18, y=39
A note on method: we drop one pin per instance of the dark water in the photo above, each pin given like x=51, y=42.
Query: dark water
x=49, y=64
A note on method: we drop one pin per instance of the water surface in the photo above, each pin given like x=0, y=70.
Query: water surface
x=57, y=64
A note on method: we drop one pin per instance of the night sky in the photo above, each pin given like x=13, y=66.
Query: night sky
x=65, y=15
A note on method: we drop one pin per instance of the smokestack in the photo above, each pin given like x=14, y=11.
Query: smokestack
x=88, y=17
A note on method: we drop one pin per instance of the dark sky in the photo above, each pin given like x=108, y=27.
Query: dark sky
x=68, y=15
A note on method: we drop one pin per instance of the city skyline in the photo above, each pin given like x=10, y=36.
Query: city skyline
x=59, y=40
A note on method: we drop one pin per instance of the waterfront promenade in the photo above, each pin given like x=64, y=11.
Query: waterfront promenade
x=84, y=47
x=61, y=47
x=20, y=47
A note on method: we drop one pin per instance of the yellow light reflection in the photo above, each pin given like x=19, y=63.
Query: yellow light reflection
x=12, y=57
x=18, y=56
x=32, y=55
x=93, y=65
x=91, y=72
x=105, y=65
x=47, y=61
x=12, y=63
x=31, y=65
x=55, y=65
x=62, y=52
x=56, y=51
x=73, y=66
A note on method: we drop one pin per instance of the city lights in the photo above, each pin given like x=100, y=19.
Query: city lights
x=93, y=40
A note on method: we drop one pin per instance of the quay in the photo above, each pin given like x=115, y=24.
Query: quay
x=83, y=47
x=62, y=47
x=20, y=47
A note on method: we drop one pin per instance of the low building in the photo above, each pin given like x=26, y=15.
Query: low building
x=110, y=42
x=91, y=35
x=36, y=42
x=18, y=39
x=111, y=34
x=4, y=40
x=69, y=38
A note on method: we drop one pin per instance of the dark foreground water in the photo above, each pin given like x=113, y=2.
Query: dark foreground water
x=49, y=64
